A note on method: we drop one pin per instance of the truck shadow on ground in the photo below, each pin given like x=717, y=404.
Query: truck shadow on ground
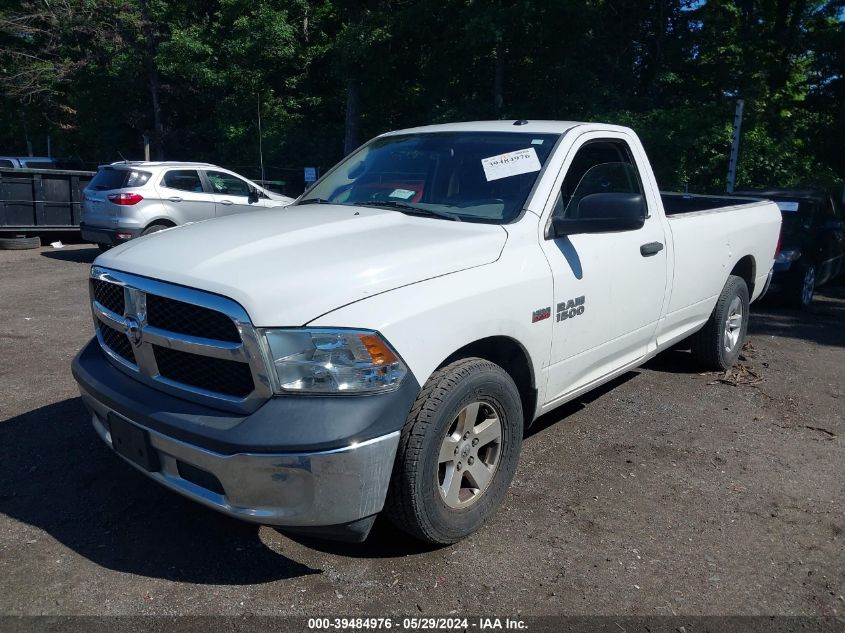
x=56, y=475
x=559, y=414
x=821, y=323
x=384, y=541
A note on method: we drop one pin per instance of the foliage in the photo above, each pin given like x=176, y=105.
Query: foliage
x=96, y=75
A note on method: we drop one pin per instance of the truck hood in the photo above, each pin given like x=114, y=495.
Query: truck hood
x=288, y=266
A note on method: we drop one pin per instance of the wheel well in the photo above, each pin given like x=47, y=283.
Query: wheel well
x=747, y=269
x=510, y=356
x=161, y=222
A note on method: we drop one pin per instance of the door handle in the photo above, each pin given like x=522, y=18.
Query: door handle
x=652, y=248
x=226, y=202
x=175, y=199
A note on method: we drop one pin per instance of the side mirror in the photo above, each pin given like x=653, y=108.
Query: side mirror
x=253, y=195
x=603, y=213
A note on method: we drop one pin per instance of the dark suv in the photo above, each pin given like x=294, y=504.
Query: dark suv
x=812, y=250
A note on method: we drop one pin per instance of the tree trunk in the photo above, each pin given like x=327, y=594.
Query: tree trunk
x=150, y=46
x=353, y=110
x=158, y=128
x=787, y=23
x=498, y=79
x=662, y=26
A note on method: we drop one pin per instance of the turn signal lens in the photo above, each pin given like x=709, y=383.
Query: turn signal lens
x=378, y=350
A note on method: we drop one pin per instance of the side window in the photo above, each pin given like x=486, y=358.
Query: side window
x=598, y=167
x=182, y=180
x=227, y=184
x=6, y=163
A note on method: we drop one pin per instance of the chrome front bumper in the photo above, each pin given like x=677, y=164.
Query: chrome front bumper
x=324, y=488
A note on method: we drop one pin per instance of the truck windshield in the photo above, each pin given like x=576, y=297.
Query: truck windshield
x=470, y=176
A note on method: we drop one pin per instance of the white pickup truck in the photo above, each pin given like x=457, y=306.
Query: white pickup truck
x=383, y=343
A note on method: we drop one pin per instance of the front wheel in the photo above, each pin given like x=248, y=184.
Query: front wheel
x=718, y=344
x=458, y=452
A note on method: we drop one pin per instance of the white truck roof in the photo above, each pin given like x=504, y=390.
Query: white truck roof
x=509, y=125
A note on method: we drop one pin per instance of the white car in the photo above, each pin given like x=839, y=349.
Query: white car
x=128, y=199
x=383, y=344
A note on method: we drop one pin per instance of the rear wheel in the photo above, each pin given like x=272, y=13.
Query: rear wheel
x=154, y=228
x=458, y=452
x=718, y=344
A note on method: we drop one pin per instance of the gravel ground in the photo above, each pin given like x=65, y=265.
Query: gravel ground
x=667, y=492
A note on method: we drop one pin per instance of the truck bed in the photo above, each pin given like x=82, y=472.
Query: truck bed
x=679, y=203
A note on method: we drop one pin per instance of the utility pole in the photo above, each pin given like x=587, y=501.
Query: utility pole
x=146, y=148
x=740, y=104
x=260, y=148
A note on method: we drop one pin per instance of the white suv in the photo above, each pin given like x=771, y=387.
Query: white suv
x=128, y=199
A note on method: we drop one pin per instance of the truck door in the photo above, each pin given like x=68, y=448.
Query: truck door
x=608, y=287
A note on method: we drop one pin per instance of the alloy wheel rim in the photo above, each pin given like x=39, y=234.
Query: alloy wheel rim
x=469, y=455
x=809, y=286
x=733, y=324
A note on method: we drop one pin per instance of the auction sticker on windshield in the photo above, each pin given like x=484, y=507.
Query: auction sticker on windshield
x=522, y=161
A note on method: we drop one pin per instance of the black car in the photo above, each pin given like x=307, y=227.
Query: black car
x=812, y=250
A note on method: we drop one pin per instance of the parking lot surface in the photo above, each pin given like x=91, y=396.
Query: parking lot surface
x=670, y=491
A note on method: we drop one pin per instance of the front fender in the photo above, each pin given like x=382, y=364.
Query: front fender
x=427, y=322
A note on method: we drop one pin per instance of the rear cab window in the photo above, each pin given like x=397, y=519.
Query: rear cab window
x=183, y=180
x=109, y=178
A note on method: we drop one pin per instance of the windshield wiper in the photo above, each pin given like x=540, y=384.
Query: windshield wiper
x=410, y=209
x=315, y=201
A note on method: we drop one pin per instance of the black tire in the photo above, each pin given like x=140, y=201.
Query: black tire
x=104, y=247
x=154, y=228
x=414, y=501
x=709, y=344
x=801, y=287
x=19, y=243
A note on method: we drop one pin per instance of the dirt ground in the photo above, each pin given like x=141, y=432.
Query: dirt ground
x=667, y=492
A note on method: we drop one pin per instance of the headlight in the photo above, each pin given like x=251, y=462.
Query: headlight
x=332, y=361
x=786, y=256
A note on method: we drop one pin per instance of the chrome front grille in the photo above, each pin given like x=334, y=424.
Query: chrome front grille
x=197, y=345
x=184, y=318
